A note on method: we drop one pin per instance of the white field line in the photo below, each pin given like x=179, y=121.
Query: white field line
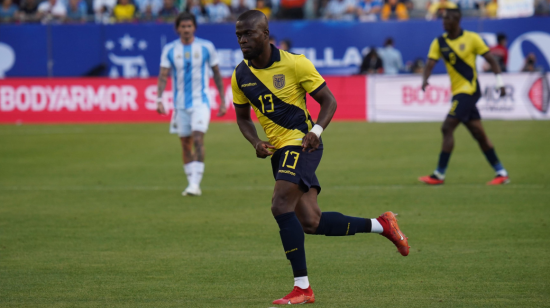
x=250, y=188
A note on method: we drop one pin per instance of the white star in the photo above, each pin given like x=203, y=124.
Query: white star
x=142, y=45
x=126, y=42
x=109, y=45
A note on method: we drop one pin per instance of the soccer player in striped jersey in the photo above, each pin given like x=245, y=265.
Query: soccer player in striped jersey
x=190, y=60
x=274, y=84
x=459, y=49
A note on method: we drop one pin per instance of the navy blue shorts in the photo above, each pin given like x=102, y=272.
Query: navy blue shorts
x=464, y=107
x=292, y=165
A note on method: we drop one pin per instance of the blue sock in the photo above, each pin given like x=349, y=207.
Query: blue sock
x=491, y=156
x=336, y=224
x=443, y=162
x=292, y=236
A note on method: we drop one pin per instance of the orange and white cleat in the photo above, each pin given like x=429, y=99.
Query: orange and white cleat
x=431, y=180
x=393, y=233
x=296, y=297
x=499, y=180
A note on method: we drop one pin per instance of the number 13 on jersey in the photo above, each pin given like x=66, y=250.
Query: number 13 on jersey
x=269, y=99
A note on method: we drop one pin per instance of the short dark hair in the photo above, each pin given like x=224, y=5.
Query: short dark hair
x=500, y=37
x=185, y=16
x=389, y=41
x=455, y=11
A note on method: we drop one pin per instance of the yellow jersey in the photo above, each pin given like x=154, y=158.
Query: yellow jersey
x=460, y=59
x=277, y=94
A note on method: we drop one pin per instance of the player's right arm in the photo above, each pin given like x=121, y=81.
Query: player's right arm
x=242, y=110
x=161, y=85
x=163, y=78
x=433, y=56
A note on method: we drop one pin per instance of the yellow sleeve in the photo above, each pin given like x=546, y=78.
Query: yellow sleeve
x=239, y=99
x=434, y=52
x=307, y=75
x=479, y=45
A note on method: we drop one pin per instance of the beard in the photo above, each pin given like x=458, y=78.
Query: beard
x=254, y=53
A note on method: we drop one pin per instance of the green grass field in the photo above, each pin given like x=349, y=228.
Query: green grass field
x=92, y=216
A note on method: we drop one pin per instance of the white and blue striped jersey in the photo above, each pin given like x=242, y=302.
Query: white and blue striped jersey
x=190, y=66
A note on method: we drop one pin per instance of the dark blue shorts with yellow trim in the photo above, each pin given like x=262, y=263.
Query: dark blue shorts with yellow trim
x=292, y=165
x=464, y=107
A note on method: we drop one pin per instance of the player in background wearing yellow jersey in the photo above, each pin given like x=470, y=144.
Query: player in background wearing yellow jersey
x=274, y=83
x=459, y=49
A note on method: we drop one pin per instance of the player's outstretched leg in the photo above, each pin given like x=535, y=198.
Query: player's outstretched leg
x=336, y=224
x=438, y=176
x=285, y=199
x=476, y=129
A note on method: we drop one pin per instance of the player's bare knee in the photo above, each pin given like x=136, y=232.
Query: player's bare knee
x=310, y=224
x=281, y=204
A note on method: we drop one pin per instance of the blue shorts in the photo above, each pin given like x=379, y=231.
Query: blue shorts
x=464, y=107
x=292, y=165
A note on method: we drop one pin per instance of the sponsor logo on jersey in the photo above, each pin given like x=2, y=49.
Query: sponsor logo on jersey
x=250, y=84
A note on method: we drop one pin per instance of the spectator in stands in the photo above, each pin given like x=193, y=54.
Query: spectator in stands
x=368, y=10
x=490, y=10
x=124, y=11
x=218, y=11
x=394, y=9
x=436, y=8
x=500, y=51
x=417, y=66
x=391, y=58
x=340, y=10
x=372, y=64
x=239, y=8
x=77, y=11
x=149, y=8
x=8, y=11
x=52, y=10
x=542, y=7
x=285, y=45
x=168, y=12
x=260, y=6
x=530, y=64
x=292, y=9
x=28, y=11
x=103, y=10
x=195, y=7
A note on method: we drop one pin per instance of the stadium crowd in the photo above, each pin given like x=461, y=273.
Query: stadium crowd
x=216, y=11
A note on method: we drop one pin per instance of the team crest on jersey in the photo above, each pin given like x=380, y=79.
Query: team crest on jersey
x=279, y=81
x=461, y=47
x=187, y=55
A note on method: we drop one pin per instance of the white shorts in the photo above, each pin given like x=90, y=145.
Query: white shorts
x=185, y=121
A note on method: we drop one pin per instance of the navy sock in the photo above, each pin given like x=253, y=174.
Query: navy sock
x=292, y=236
x=443, y=162
x=491, y=156
x=336, y=224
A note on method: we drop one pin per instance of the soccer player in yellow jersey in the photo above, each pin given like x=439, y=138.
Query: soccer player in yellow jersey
x=274, y=83
x=459, y=49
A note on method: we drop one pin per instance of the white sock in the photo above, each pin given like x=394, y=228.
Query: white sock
x=301, y=282
x=198, y=170
x=376, y=226
x=502, y=172
x=439, y=175
x=188, y=169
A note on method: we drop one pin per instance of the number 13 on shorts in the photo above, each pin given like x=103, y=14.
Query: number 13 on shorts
x=292, y=154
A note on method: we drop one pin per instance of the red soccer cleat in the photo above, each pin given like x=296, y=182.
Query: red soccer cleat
x=392, y=232
x=499, y=180
x=296, y=297
x=431, y=180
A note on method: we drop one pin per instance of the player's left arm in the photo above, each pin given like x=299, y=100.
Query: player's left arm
x=315, y=85
x=214, y=64
x=482, y=49
x=496, y=69
x=219, y=84
x=326, y=99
